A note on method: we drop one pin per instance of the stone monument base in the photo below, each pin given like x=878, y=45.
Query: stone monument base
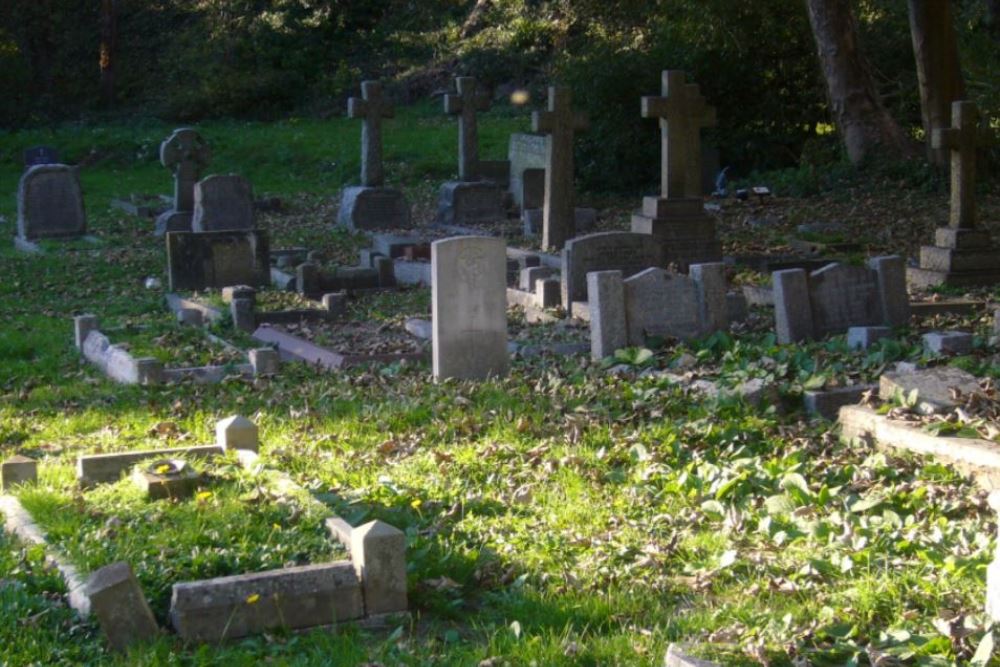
x=682, y=228
x=374, y=208
x=173, y=221
x=470, y=203
x=959, y=257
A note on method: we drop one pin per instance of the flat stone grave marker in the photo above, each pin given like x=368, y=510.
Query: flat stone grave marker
x=627, y=252
x=196, y=261
x=223, y=203
x=49, y=205
x=469, y=307
x=934, y=386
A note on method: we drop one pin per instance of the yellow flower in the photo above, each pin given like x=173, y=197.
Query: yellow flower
x=203, y=495
x=162, y=469
x=253, y=598
x=416, y=504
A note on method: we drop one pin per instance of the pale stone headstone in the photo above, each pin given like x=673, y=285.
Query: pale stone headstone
x=185, y=153
x=50, y=204
x=560, y=122
x=526, y=153
x=606, y=251
x=199, y=260
x=606, y=297
x=117, y=600
x=469, y=306
x=223, y=203
x=548, y=293
x=378, y=552
x=236, y=432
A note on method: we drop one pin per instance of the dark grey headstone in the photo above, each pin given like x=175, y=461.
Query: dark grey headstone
x=50, y=203
x=221, y=203
x=627, y=252
x=217, y=259
x=843, y=296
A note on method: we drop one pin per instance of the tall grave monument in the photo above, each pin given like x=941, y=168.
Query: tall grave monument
x=677, y=218
x=470, y=200
x=372, y=205
x=961, y=254
x=560, y=123
x=185, y=154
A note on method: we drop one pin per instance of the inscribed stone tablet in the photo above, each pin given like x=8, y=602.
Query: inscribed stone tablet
x=50, y=203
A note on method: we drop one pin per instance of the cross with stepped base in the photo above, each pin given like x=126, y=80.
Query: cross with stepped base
x=371, y=108
x=682, y=112
x=465, y=104
x=961, y=139
x=560, y=122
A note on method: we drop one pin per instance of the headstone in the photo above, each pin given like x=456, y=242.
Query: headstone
x=469, y=307
x=962, y=254
x=82, y=326
x=223, y=203
x=49, y=205
x=837, y=297
x=470, y=203
x=117, y=600
x=677, y=218
x=372, y=206
x=244, y=315
x=236, y=432
x=201, y=260
x=265, y=361
x=37, y=155
x=548, y=293
x=533, y=274
x=190, y=317
x=526, y=153
x=18, y=470
x=185, y=154
x=606, y=251
x=660, y=303
x=608, y=329
x=560, y=122
x=378, y=551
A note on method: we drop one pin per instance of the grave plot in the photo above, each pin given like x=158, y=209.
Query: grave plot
x=259, y=553
x=373, y=330
x=159, y=352
x=562, y=337
x=246, y=308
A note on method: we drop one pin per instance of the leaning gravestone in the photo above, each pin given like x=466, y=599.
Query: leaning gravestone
x=223, y=203
x=469, y=307
x=627, y=252
x=838, y=297
x=199, y=260
x=49, y=205
x=185, y=154
x=372, y=205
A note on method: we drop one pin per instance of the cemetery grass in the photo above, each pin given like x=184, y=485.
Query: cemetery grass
x=562, y=516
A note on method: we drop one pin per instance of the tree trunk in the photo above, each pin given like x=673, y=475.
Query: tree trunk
x=938, y=71
x=864, y=125
x=993, y=16
x=109, y=37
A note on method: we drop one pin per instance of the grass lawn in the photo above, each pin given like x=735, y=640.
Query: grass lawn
x=561, y=516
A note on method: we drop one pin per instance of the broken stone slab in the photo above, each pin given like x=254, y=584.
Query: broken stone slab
x=420, y=328
x=292, y=598
x=190, y=317
x=948, y=342
x=18, y=470
x=973, y=456
x=177, y=304
x=933, y=385
x=676, y=657
x=120, y=606
x=827, y=403
x=92, y=469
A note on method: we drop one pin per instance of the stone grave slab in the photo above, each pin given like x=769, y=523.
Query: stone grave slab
x=223, y=203
x=627, y=252
x=50, y=204
x=469, y=307
x=292, y=347
x=934, y=387
x=196, y=261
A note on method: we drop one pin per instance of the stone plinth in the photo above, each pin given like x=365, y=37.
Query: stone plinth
x=470, y=203
x=959, y=257
x=374, y=208
x=682, y=228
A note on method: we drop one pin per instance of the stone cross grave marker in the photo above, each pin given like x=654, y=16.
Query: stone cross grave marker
x=371, y=108
x=469, y=307
x=560, y=122
x=682, y=112
x=185, y=154
x=961, y=139
x=465, y=104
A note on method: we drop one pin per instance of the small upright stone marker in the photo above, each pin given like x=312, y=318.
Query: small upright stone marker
x=18, y=470
x=236, y=432
x=948, y=342
x=608, y=328
x=185, y=154
x=372, y=206
x=469, y=306
x=49, y=206
x=82, y=326
x=378, y=551
x=120, y=606
x=560, y=122
x=961, y=254
x=223, y=203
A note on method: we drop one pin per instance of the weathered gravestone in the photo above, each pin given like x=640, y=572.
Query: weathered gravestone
x=185, y=154
x=962, y=254
x=49, y=205
x=199, y=260
x=223, y=203
x=560, y=122
x=677, y=218
x=837, y=297
x=469, y=307
x=526, y=153
x=372, y=205
x=37, y=155
x=606, y=251
x=655, y=302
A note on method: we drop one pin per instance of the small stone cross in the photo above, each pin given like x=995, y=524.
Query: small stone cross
x=702, y=115
x=465, y=105
x=560, y=122
x=961, y=139
x=371, y=107
x=184, y=153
